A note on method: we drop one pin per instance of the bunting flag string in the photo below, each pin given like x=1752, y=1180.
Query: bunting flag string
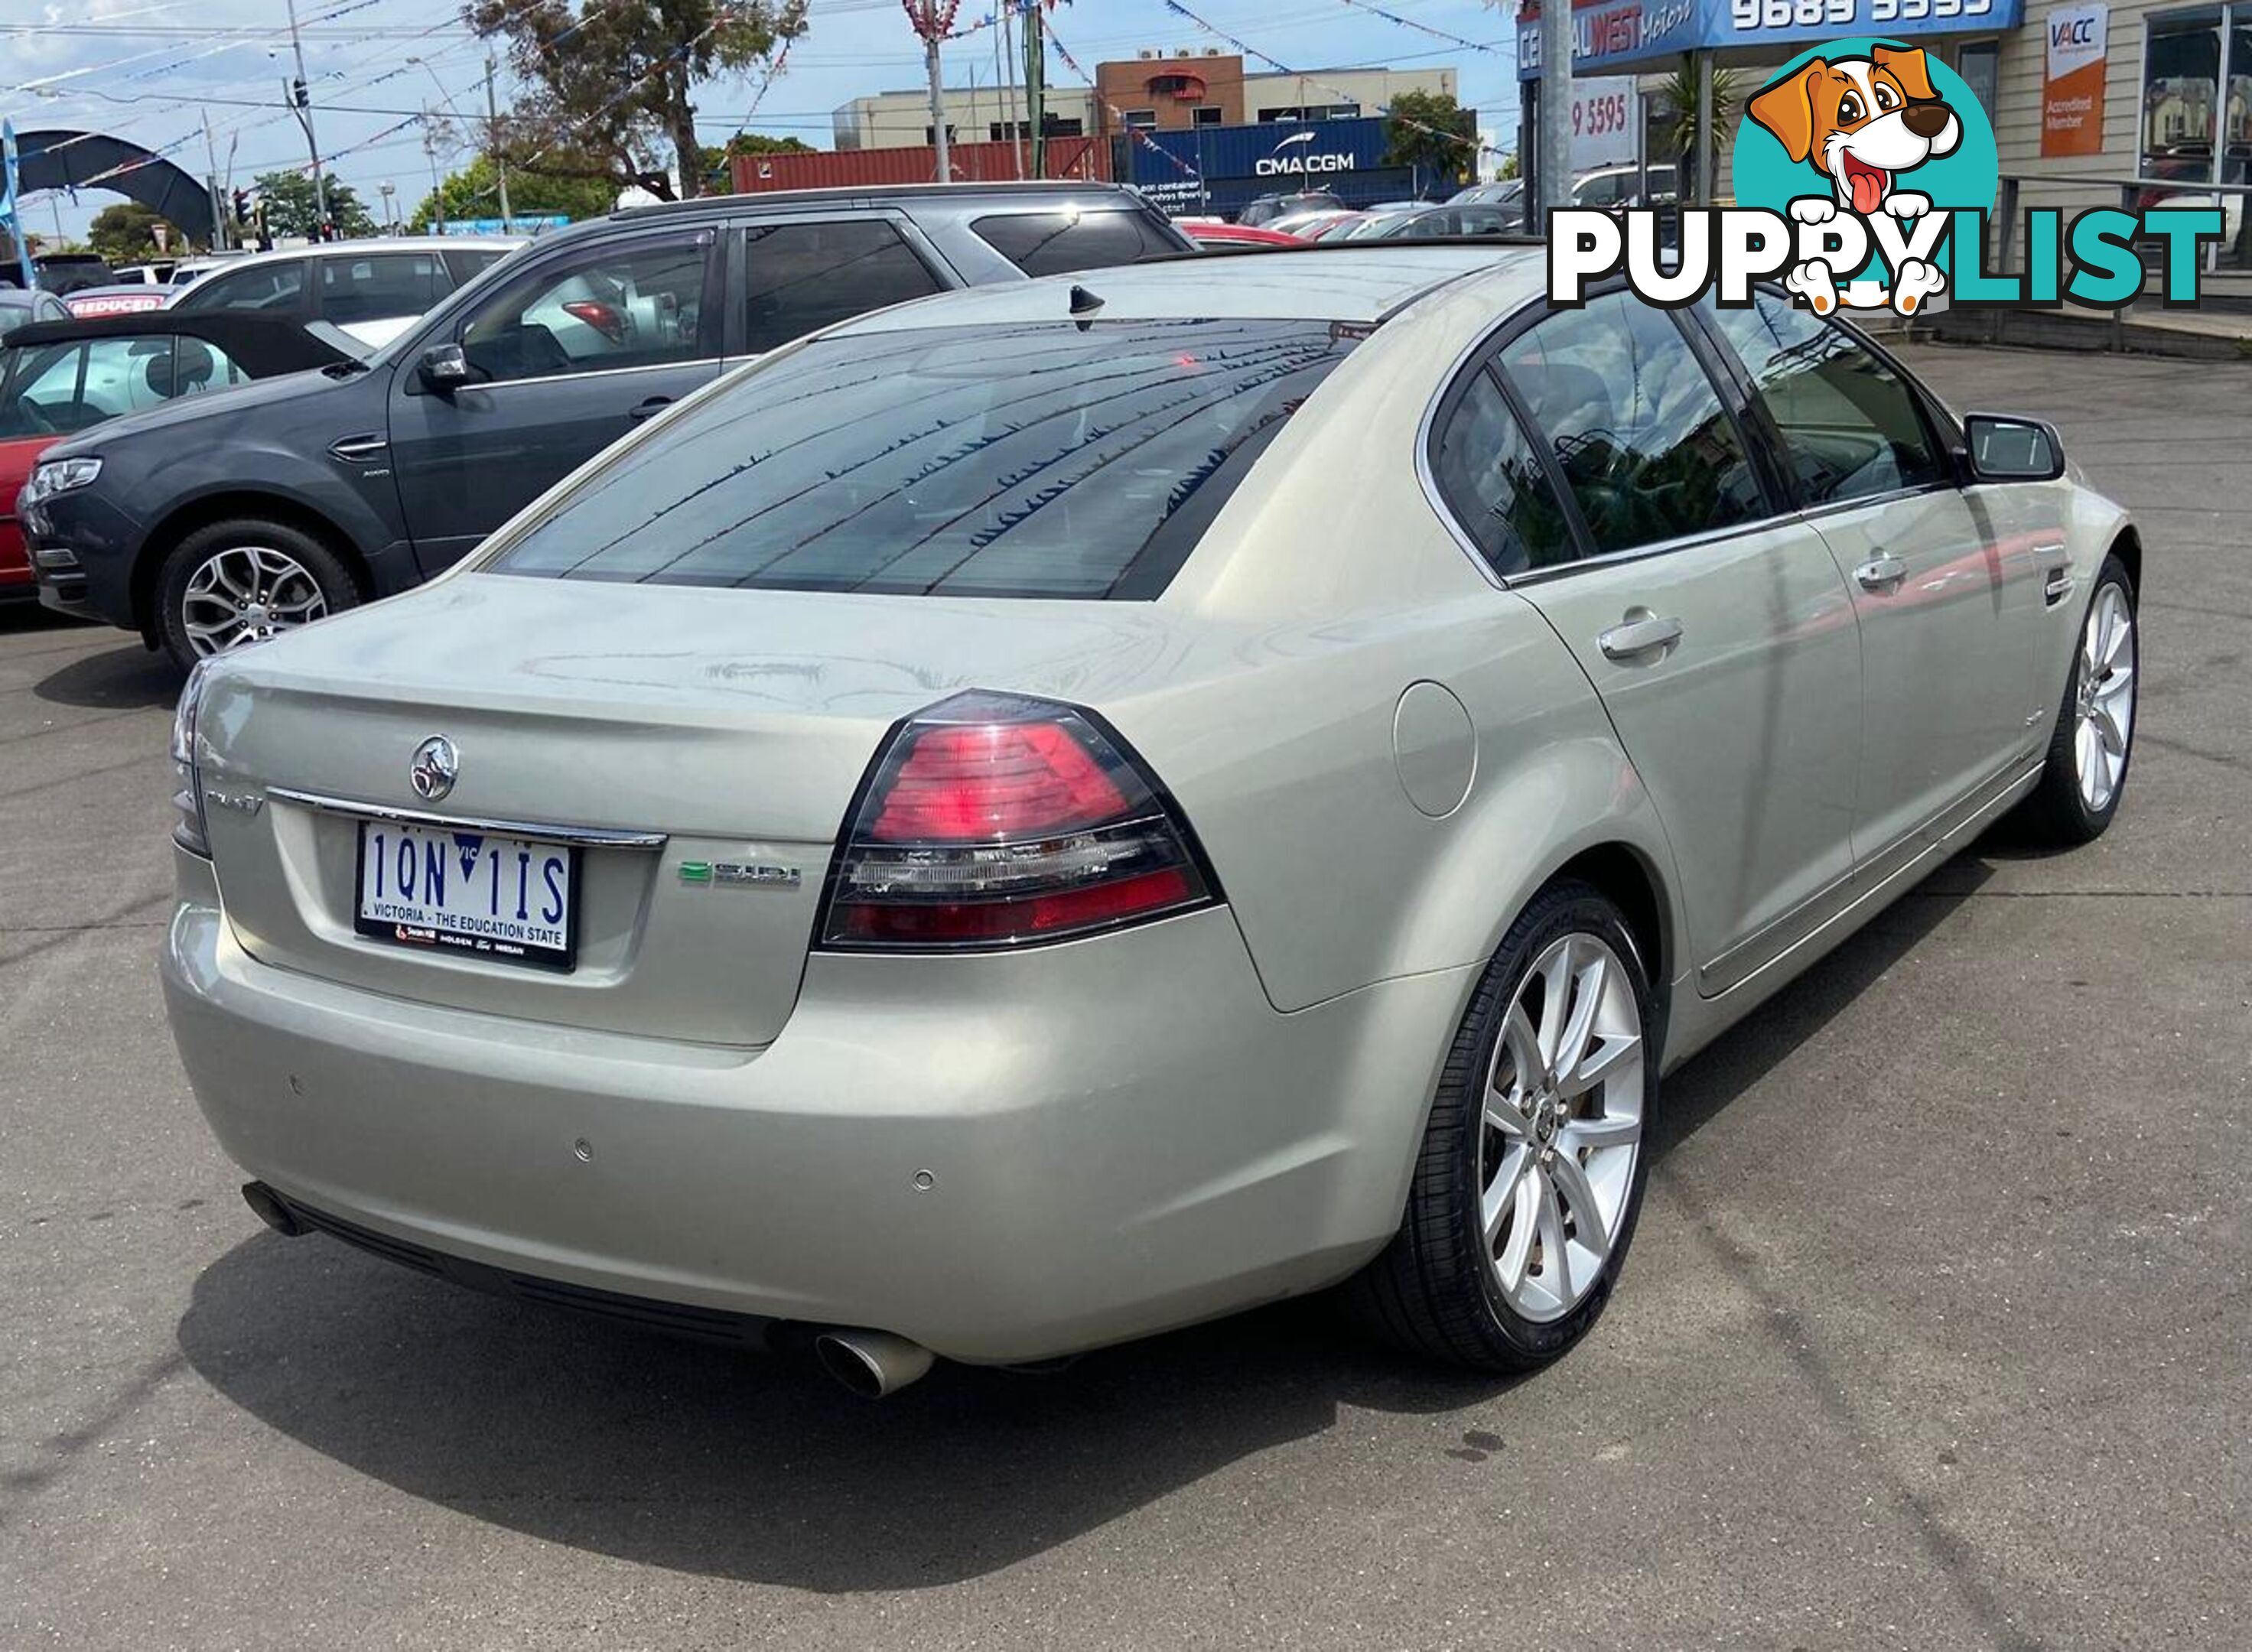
x=1471, y=141
x=1148, y=142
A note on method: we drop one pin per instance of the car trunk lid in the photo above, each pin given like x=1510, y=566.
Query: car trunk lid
x=695, y=751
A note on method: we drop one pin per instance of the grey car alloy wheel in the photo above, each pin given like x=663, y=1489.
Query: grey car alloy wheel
x=2103, y=707
x=1562, y=1127
x=245, y=592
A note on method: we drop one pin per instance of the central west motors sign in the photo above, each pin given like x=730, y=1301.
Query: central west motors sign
x=1617, y=33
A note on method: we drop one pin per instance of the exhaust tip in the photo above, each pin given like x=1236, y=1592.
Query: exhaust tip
x=271, y=1210
x=872, y=1363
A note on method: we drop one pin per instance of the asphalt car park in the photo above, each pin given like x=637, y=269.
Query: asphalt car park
x=1933, y=1333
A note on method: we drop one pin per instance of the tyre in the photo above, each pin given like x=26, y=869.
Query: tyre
x=235, y=582
x=1531, y=1175
x=2094, y=740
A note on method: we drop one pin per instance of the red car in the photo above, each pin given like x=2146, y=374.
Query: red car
x=1231, y=237
x=58, y=378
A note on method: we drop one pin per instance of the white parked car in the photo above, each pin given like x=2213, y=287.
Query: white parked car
x=372, y=290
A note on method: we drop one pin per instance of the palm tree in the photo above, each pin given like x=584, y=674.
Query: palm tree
x=1676, y=96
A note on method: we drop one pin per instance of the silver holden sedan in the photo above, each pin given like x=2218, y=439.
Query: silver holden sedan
x=1062, y=810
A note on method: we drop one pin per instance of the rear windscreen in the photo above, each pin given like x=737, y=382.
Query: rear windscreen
x=1043, y=459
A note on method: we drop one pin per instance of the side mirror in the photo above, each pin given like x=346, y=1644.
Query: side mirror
x=444, y=368
x=2003, y=449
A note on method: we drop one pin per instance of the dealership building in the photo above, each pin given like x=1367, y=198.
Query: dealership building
x=2085, y=98
x=1156, y=92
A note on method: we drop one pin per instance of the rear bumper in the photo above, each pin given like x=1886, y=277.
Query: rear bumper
x=1003, y=1158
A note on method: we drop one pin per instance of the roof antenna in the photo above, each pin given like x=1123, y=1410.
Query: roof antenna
x=1084, y=302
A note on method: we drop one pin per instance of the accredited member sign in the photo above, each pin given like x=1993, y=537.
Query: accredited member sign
x=2072, y=90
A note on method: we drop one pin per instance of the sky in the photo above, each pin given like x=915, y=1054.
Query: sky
x=151, y=70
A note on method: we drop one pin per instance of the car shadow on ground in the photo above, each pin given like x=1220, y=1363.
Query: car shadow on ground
x=119, y=678
x=716, y=1463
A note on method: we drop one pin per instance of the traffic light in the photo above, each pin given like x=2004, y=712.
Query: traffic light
x=242, y=209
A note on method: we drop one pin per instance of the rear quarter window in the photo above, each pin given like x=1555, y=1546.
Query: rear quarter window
x=1037, y=460
x=1055, y=243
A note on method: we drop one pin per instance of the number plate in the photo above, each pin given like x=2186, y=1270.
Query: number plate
x=478, y=894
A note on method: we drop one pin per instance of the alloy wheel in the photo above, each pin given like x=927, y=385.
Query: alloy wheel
x=245, y=592
x=1562, y=1126
x=2103, y=712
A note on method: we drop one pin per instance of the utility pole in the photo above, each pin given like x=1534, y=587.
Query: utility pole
x=492, y=139
x=937, y=111
x=1555, y=157
x=211, y=184
x=933, y=21
x=300, y=105
x=437, y=187
x=1703, y=192
x=1005, y=54
x=1036, y=89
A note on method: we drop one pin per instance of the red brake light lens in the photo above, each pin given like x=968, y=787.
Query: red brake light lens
x=994, y=820
x=968, y=783
x=603, y=318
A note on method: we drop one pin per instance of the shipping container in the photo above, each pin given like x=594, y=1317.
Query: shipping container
x=1068, y=158
x=1221, y=169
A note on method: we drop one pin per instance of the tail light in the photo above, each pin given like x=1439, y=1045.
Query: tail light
x=603, y=318
x=992, y=821
x=188, y=797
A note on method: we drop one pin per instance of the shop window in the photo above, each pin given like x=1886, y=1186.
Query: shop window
x=1980, y=68
x=2181, y=95
x=1055, y=126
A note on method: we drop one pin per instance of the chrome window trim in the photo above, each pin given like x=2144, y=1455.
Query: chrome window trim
x=537, y=831
x=597, y=372
x=1656, y=548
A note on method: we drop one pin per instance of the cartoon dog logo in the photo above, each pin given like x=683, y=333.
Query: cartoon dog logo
x=1862, y=122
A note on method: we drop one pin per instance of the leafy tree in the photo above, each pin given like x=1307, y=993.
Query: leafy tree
x=719, y=173
x=609, y=81
x=124, y=233
x=290, y=209
x=1428, y=133
x=474, y=193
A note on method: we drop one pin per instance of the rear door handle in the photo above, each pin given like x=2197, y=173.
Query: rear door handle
x=1634, y=641
x=1881, y=574
x=651, y=408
